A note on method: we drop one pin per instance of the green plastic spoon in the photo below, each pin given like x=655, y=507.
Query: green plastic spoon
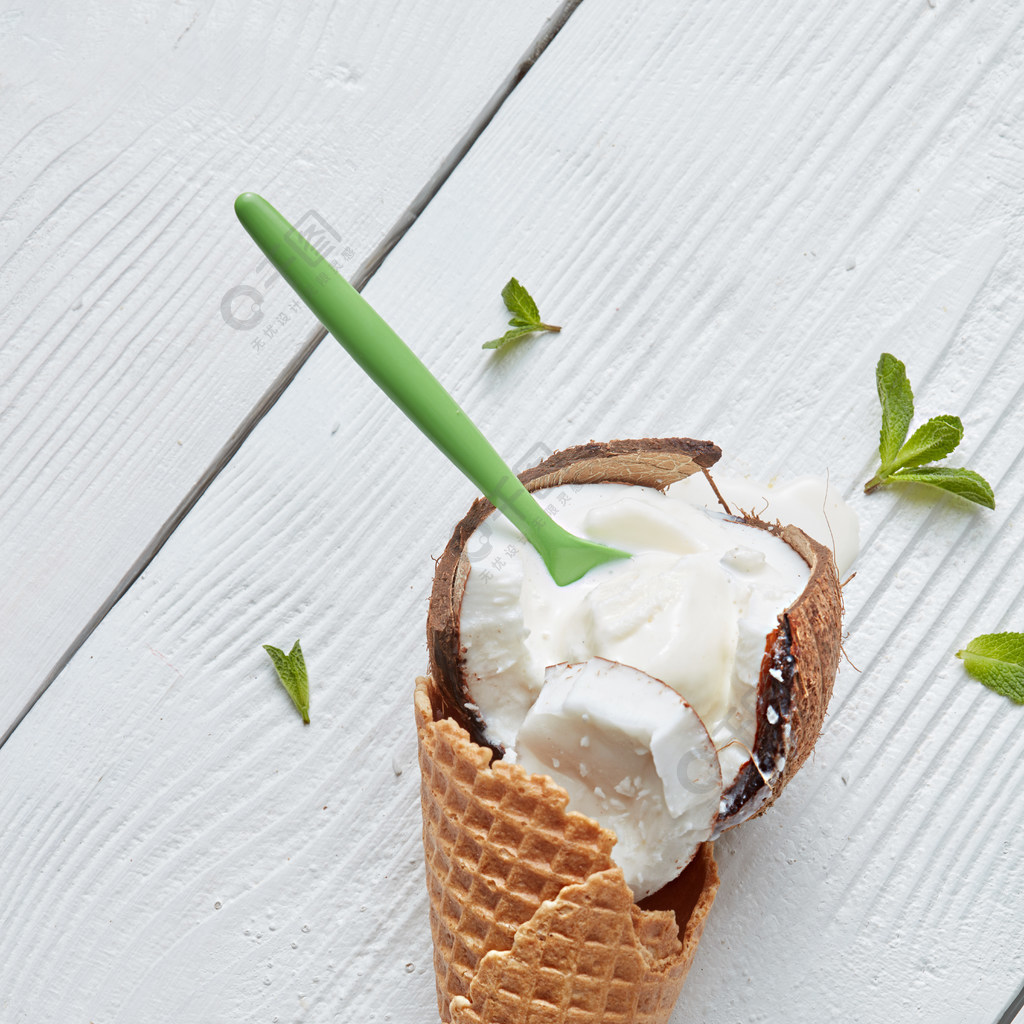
x=412, y=387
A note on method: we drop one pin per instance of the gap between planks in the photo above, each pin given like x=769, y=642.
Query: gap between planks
x=359, y=280
x=1014, y=1009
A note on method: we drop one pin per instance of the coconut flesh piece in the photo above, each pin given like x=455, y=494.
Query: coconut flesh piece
x=631, y=754
x=789, y=691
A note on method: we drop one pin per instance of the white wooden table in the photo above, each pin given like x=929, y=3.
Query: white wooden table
x=733, y=209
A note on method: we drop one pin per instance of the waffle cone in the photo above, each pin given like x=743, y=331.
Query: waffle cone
x=532, y=922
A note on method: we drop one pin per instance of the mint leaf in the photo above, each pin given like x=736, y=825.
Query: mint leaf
x=509, y=336
x=897, y=406
x=525, y=316
x=964, y=482
x=997, y=660
x=291, y=670
x=932, y=441
x=519, y=303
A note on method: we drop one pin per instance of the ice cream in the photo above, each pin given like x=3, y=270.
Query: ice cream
x=691, y=611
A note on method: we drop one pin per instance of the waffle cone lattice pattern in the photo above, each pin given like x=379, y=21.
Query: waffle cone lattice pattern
x=532, y=922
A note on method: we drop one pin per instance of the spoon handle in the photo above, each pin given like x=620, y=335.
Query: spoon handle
x=394, y=368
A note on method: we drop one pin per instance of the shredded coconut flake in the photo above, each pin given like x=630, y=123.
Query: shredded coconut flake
x=627, y=787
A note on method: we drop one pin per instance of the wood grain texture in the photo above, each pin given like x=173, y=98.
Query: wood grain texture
x=732, y=212
x=128, y=356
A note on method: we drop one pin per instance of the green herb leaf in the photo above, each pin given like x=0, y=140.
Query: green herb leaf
x=291, y=670
x=520, y=304
x=964, y=482
x=932, y=441
x=525, y=316
x=510, y=336
x=897, y=400
x=997, y=660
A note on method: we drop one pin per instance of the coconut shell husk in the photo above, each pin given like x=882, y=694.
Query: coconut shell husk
x=532, y=922
x=804, y=649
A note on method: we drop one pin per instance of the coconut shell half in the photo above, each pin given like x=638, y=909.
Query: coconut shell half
x=801, y=655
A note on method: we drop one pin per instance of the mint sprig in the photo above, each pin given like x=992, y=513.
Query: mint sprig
x=291, y=670
x=525, y=316
x=997, y=660
x=907, y=460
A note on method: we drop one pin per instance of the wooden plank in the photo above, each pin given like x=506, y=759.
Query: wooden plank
x=139, y=329
x=732, y=213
